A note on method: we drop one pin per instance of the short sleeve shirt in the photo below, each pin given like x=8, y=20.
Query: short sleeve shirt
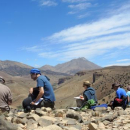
x=5, y=96
x=120, y=92
x=42, y=81
x=128, y=94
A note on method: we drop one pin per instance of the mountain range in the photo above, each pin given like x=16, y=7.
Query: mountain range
x=72, y=66
x=19, y=69
x=19, y=81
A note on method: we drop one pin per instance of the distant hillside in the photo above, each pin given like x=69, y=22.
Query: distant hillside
x=14, y=68
x=19, y=69
x=72, y=66
x=103, y=80
x=17, y=77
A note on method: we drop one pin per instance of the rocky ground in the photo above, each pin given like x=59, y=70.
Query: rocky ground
x=67, y=119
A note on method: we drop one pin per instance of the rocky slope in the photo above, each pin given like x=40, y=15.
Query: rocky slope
x=67, y=119
x=103, y=80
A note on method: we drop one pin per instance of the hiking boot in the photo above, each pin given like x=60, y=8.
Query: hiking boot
x=27, y=109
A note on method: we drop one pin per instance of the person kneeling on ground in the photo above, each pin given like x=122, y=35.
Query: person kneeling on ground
x=121, y=97
x=88, y=95
x=128, y=94
x=43, y=90
x=5, y=97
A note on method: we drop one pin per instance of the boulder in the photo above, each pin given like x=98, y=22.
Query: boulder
x=5, y=125
x=93, y=126
x=39, y=112
x=33, y=116
x=74, y=115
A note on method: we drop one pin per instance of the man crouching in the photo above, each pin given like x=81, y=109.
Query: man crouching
x=43, y=90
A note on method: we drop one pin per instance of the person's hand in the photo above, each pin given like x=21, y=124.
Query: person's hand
x=10, y=102
x=81, y=97
x=32, y=103
x=31, y=90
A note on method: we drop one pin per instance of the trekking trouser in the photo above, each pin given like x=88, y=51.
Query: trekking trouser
x=79, y=102
x=32, y=97
x=47, y=103
x=29, y=99
x=119, y=102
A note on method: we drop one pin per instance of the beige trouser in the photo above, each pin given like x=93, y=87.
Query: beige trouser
x=79, y=102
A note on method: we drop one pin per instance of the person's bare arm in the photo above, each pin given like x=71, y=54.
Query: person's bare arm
x=31, y=91
x=41, y=92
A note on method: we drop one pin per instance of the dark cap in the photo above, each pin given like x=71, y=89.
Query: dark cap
x=115, y=85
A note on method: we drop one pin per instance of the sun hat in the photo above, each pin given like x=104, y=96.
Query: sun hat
x=86, y=83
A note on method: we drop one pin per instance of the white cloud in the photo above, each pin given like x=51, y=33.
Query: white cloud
x=32, y=49
x=74, y=1
x=48, y=3
x=72, y=12
x=80, y=6
x=123, y=60
x=119, y=64
x=93, y=39
x=103, y=38
x=114, y=24
x=83, y=15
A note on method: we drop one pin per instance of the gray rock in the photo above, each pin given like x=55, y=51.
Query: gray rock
x=53, y=127
x=31, y=124
x=59, y=113
x=93, y=126
x=22, y=115
x=106, y=122
x=71, y=122
x=39, y=112
x=21, y=121
x=87, y=122
x=79, y=127
x=33, y=116
x=4, y=125
x=43, y=122
x=74, y=115
x=101, y=109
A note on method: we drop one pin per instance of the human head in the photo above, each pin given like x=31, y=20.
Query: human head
x=86, y=84
x=115, y=86
x=35, y=73
x=128, y=87
x=2, y=80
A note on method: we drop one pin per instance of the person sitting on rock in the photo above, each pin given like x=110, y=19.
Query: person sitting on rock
x=121, y=97
x=88, y=94
x=43, y=90
x=128, y=94
x=5, y=97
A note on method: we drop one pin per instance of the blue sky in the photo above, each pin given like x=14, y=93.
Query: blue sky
x=40, y=32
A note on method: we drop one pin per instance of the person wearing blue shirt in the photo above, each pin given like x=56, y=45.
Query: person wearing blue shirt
x=128, y=94
x=43, y=90
x=121, y=97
